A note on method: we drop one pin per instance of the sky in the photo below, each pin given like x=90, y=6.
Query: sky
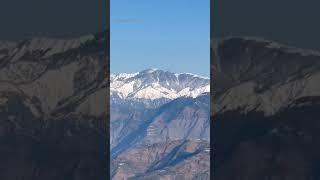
x=172, y=35
x=291, y=22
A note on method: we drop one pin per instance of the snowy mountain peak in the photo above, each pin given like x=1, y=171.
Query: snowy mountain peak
x=154, y=84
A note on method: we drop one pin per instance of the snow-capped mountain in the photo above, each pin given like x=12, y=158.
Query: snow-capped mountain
x=164, y=110
x=152, y=84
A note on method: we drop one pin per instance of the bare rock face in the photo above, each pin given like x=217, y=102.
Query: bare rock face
x=265, y=110
x=53, y=102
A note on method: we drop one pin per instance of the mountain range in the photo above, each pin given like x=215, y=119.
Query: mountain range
x=53, y=102
x=159, y=125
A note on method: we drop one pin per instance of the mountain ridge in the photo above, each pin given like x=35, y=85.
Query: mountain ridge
x=265, y=110
x=155, y=84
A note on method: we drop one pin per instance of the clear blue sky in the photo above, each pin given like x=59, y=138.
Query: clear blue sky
x=165, y=34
